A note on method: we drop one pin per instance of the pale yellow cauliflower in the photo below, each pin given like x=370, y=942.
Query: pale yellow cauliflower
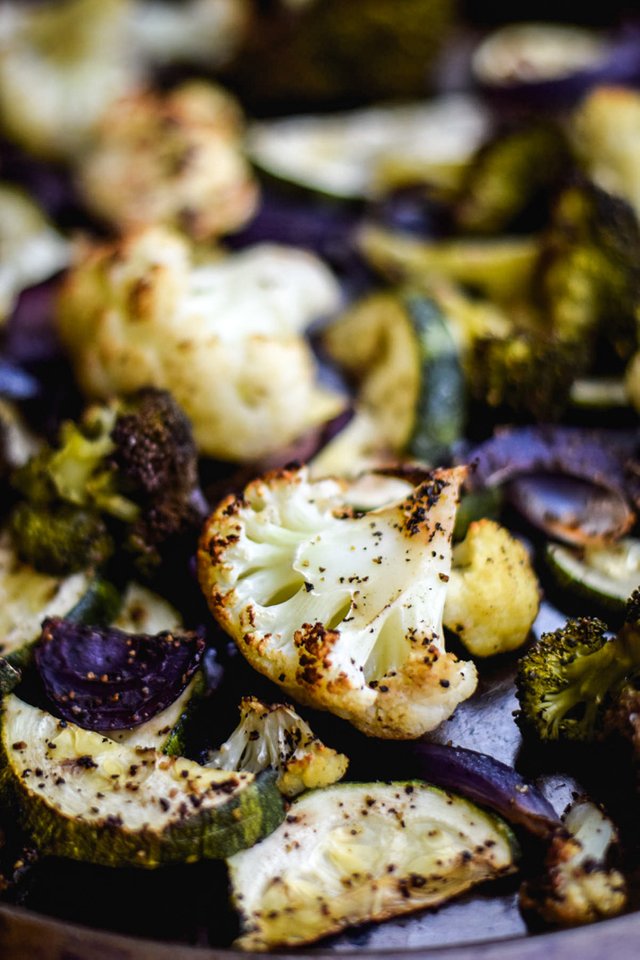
x=62, y=63
x=174, y=159
x=342, y=609
x=606, y=130
x=274, y=736
x=224, y=336
x=203, y=32
x=493, y=595
x=31, y=249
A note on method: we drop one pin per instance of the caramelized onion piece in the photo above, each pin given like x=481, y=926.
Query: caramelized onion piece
x=477, y=776
x=575, y=485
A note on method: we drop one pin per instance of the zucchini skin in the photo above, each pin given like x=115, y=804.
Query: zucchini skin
x=175, y=744
x=440, y=411
x=573, y=575
x=200, y=834
x=243, y=822
x=210, y=836
x=10, y=676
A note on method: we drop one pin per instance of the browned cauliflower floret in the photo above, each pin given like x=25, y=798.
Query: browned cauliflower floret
x=493, y=594
x=223, y=336
x=61, y=63
x=342, y=609
x=273, y=735
x=578, y=886
x=173, y=159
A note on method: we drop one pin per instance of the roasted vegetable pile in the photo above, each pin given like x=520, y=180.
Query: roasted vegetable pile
x=330, y=422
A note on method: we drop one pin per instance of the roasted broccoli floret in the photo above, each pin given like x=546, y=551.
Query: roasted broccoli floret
x=155, y=464
x=373, y=51
x=273, y=735
x=510, y=174
x=60, y=540
x=589, y=273
x=565, y=681
x=577, y=886
x=528, y=372
x=131, y=465
x=77, y=470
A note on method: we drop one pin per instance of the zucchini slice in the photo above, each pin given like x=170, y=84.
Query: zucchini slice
x=499, y=268
x=341, y=155
x=400, y=349
x=82, y=796
x=167, y=730
x=374, y=342
x=27, y=597
x=356, y=852
x=440, y=405
x=605, y=575
x=143, y=611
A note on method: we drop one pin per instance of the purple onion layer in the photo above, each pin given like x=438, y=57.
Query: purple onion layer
x=105, y=679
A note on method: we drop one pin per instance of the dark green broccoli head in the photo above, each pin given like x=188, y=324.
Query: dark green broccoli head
x=511, y=174
x=78, y=469
x=154, y=448
x=155, y=461
x=59, y=539
x=589, y=271
x=133, y=462
x=529, y=373
x=565, y=680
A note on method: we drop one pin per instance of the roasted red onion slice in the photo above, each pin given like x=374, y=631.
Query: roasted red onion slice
x=104, y=679
x=477, y=776
x=571, y=510
x=574, y=484
x=31, y=335
x=615, y=60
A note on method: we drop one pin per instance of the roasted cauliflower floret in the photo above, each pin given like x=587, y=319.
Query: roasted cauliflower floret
x=174, y=159
x=224, y=337
x=31, y=249
x=202, y=32
x=342, y=609
x=578, y=886
x=61, y=63
x=273, y=735
x=493, y=595
x=606, y=130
